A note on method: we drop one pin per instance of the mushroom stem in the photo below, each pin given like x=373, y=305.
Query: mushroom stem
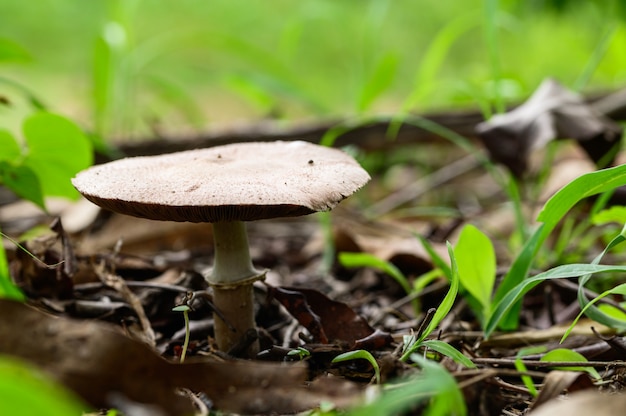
x=232, y=278
x=232, y=258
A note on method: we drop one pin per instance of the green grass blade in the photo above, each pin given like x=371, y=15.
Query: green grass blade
x=596, y=57
x=354, y=260
x=381, y=79
x=437, y=260
x=560, y=272
x=590, y=310
x=552, y=213
x=580, y=188
x=442, y=310
x=449, y=351
x=360, y=355
x=620, y=289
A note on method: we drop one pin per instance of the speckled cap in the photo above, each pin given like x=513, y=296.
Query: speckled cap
x=236, y=182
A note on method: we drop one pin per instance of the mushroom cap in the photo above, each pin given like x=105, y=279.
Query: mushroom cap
x=236, y=182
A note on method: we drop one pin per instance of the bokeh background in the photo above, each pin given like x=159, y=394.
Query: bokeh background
x=135, y=68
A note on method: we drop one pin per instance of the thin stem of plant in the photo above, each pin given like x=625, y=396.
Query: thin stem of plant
x=186, y=343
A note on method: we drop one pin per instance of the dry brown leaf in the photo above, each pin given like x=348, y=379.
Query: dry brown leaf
x=96, y=361
x=551, y=113
x=557, y=381
x=328, y=320
x=584, y=403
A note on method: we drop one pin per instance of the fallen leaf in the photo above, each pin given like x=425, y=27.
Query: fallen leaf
x=328, y=320
x=551, y=113
x=584, y=403
x=557, y=381
x=97, y=362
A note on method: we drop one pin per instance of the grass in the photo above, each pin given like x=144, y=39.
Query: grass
x=220, y=62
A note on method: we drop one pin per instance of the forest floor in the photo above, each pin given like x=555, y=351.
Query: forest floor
x=99, y=315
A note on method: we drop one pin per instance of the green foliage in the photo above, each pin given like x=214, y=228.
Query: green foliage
x=476, y=261
x=434, y=386
x=360, y=355
x=24, y=390
x=12, y=51
x=559, y=272
x=353, y=260
x=300, y=352
x=411, y=345
x=55, y=150
x=567, y=355
x=380, y=80
x=521, y=367
x=449, y=351
x=602, y=316
x=8, y=290
x=552, y=213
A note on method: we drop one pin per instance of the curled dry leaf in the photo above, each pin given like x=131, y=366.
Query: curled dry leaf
x=551, y=113
x=98, y=362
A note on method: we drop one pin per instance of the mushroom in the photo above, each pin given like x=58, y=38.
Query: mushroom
x=226, y=186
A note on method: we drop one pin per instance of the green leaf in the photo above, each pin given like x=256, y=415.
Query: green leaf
x=552, y=213
x=592, y=311
x=10, y=150
x=23, y=181
x=442, y=310
x=521, y=367
x=614, y=214
x=560, y=272
x=8, y=290
x=618, y=290
x=565, y=355
x=57, y=150
x=352, y=260
x=447, y=398
x=362, y=355
x=433, y=384
x=24, y=390
x=449, y=351
x=437, y=260
x=381, y=78
x=476, y=260
x=12, y=51
x=580, y=188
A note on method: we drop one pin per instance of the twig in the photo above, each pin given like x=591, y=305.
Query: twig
x=546, y=364
x=116, y=282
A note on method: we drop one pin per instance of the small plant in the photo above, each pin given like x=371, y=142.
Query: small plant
x=185, y=310
x=353, y=260
x=476, y=261
x=360, y=355
x=566, y=355
x=516, y=282
x=53, y=150
x=434, y=386
x=299, y=352
x=521, y=367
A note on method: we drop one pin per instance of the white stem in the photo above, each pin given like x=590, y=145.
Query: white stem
x=232, y=256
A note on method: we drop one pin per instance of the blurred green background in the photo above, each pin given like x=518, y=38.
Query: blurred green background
x=130, y=68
